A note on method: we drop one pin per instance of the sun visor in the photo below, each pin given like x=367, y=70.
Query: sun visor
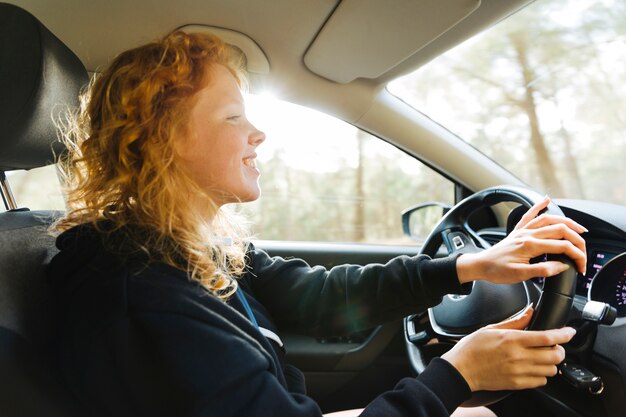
x=256, y=61
x=366, y=38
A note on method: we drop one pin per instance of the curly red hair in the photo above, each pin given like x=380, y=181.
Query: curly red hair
x=122, y=167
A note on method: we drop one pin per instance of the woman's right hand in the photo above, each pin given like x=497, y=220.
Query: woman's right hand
x=509, y=261
x=502, y=356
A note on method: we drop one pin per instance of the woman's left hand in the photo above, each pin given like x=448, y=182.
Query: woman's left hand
x=508, y=261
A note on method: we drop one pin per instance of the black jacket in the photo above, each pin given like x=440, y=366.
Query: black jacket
x=140, y=339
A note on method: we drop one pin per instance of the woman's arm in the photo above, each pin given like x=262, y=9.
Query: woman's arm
x=348, y=298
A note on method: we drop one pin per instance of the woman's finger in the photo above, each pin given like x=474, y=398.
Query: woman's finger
x=544, y=338
x=532, y=212
x=547, y=356
x=540, y=370
x=550, y=219
x=518, y=322
x=565, y=247
x=560, y=231
x=541, y=269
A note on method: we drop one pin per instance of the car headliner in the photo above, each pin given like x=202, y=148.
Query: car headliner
x=300, y=39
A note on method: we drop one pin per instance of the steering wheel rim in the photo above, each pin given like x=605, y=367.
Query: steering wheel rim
x=554, y=301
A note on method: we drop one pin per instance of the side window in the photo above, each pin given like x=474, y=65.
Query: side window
x=321, y=179
x=37, y=189
x=325, y=180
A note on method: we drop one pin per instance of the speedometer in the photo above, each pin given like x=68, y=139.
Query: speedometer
x=620, y=291
x=609, y=284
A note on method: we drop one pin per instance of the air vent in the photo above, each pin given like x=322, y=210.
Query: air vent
x=492, y=235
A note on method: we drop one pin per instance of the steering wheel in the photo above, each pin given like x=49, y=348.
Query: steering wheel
x=459, y=315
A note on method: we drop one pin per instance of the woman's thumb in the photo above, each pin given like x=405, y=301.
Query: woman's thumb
x=518, y=322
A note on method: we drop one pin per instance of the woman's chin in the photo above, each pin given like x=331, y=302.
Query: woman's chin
x=251, y=197
x=245, y=197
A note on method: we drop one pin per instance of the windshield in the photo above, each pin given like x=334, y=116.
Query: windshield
x=543, y=93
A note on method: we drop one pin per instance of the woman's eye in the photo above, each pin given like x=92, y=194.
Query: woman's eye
x=234, y=117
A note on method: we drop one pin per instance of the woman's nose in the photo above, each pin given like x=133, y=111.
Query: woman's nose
x=256, y=137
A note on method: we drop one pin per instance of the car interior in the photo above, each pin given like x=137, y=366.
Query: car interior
x=336, y=57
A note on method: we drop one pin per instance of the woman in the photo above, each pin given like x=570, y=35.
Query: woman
x=166, y=309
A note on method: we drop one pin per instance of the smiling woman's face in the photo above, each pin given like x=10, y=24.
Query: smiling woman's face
x=221, y=149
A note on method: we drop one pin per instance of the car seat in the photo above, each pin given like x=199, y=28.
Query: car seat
x=39, y=77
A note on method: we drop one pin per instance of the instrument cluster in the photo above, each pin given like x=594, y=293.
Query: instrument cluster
x=605, y=279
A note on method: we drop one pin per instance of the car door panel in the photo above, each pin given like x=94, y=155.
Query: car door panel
x=345, y=367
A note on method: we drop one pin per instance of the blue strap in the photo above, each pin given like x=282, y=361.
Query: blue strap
x=246, y=306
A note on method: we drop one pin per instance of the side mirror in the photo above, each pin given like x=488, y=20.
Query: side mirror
x=419, y=220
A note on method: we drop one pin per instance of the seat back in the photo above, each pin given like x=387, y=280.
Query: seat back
x=28, y=386
x=39, y=77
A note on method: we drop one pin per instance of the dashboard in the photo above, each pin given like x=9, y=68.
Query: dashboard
x=605, y=277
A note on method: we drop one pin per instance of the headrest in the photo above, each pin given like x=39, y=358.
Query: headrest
x=39, y=79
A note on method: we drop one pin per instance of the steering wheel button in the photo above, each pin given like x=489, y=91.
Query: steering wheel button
x=458, y=242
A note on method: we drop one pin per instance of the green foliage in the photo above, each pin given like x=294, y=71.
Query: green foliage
x=561, y=60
